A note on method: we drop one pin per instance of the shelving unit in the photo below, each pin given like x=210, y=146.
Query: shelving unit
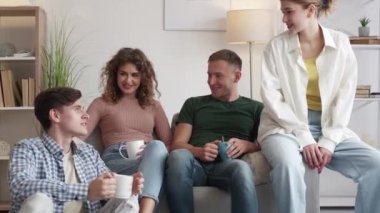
x=4, y=157
x=366, y=99
x=29, y=58
x=368, y=73
x=4, y=206
x=24, y=27
x=365, y=46
x=15, y=108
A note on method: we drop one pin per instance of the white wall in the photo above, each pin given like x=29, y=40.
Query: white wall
x=179, y=57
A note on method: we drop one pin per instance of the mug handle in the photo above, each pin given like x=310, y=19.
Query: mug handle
x=120, y=152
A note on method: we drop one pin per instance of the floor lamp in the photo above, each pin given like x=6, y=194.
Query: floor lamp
x=252, y=26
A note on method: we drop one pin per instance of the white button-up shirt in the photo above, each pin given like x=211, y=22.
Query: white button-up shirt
x=284, y=84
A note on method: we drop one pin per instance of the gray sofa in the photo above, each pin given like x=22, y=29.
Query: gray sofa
x=213, y=200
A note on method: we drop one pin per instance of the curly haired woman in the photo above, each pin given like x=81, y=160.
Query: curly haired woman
x=127, y=111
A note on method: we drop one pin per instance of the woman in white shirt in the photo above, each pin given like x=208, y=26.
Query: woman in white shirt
x=309, y=76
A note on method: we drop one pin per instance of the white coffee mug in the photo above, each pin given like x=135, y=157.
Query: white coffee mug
x=124, y=185
x=133, y=147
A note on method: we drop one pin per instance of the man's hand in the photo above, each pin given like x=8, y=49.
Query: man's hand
x=312, y=156
x=326, y=158
x=138, y=183
x=239, y=147
x=103, y=187
x=209, y=151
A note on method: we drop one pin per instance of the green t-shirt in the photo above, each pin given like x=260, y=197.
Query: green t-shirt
x=211, y=119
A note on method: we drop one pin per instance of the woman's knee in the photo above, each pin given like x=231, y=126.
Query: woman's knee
x=156, y=148
x=282, y=151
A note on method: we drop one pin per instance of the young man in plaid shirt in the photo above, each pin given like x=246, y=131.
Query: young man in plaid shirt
x=52, y=173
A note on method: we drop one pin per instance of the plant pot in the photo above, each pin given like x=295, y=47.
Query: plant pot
x=363, y=31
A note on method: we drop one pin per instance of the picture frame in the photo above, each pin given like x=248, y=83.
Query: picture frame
x=196, y=14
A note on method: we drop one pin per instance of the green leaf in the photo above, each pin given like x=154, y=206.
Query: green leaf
x=60, y=66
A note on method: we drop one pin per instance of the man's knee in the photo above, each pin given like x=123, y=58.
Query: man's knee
x=180, y=158
x=38, y=202
x=179, y=164
x=241, y=171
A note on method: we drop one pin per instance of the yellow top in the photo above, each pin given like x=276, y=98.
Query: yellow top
x=312, y=93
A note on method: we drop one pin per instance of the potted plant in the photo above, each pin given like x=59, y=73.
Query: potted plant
x=59, y=64
x=364, y=29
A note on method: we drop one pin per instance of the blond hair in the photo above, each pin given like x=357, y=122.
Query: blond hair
x=323, y=6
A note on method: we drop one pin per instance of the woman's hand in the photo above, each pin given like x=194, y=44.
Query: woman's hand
x=326, y=158
x=312, y=156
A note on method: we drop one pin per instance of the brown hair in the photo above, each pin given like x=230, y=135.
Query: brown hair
x=145, y=92
x=226, y=55
x=53, y=98
x=323, y=6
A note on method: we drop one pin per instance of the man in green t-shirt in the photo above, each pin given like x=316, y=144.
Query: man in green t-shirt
x=196, y=157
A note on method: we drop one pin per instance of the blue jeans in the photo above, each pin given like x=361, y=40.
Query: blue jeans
x=184, y=171
x=352, y=158
x=151, y=164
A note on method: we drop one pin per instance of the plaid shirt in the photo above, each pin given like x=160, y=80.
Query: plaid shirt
x=36, y=165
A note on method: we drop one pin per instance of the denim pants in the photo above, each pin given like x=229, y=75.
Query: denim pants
x=151, y=164
x=352, y=158
x=184, y=171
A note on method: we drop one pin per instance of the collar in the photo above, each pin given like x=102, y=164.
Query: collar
x=294, y=43
x=53, y=147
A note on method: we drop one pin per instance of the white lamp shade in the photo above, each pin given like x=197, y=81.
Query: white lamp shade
x=253, y=25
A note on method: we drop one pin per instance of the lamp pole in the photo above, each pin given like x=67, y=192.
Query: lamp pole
x=250, y=69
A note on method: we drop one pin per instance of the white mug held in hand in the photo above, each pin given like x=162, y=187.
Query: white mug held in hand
x=133, y=148
x=124, y=184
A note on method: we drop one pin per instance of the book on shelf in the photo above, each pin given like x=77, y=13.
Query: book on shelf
x=363, y=86
x=362, y=95
x=9, y=100
x=15, y=91
x=363, y=92
x=25, y=91
x=1, y=95
x=31, y=91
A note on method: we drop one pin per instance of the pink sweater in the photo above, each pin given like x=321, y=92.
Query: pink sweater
x=127, y=121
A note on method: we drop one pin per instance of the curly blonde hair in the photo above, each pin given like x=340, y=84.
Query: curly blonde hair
x=146, y=91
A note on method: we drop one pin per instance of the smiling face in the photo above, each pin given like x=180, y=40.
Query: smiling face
x=72, y=119
x=295, y=16
x=222, y=79
x=128, y=79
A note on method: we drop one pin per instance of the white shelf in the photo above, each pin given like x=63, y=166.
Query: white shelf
x=365, y=46
x=367, y=99
x=5, y=205
x=30, y=58
x=4, y=158
x=16, y=108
